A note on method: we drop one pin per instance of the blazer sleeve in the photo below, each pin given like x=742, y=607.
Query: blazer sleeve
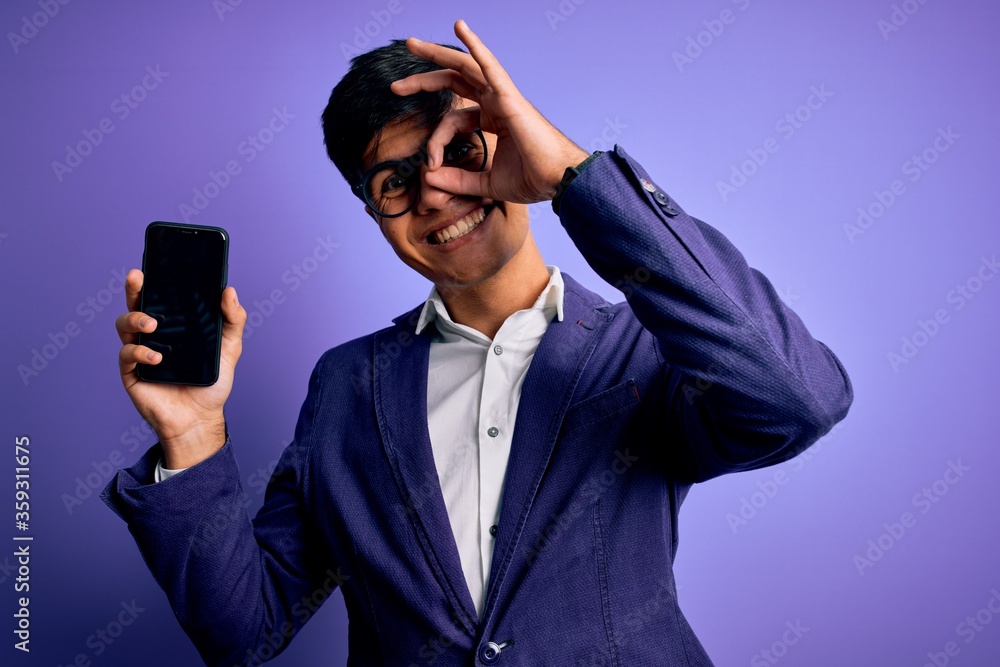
x=240, y=589
x=745, y=384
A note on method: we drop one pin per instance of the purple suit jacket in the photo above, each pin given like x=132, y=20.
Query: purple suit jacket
x=701, y=372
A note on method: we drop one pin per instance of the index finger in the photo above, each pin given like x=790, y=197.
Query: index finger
x=442, y=79
x=496, y=76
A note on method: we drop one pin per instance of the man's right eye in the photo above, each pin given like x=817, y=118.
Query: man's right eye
x=394, y=184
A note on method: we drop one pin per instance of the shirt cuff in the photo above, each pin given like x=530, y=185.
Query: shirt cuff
x=162, y=473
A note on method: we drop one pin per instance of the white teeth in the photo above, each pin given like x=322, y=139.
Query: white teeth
x=460, y=228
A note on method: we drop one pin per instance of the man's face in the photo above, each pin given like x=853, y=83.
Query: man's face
x=468, y=259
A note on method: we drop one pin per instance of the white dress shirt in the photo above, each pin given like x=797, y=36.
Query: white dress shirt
x=473, y=391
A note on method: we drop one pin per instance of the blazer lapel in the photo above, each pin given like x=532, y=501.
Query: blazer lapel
x=548, y=387
x=400, y=391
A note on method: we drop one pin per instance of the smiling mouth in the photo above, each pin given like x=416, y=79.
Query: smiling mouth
x=459, y=228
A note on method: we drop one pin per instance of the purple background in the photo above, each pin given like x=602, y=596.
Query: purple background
x=603, y=72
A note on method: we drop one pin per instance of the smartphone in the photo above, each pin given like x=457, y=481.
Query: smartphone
x=184, y=272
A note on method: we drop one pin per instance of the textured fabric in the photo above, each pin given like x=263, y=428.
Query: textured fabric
x=701, y=372
x=474, y=386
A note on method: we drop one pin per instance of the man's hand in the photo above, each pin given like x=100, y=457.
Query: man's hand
x=188, y=420
x=531, y=154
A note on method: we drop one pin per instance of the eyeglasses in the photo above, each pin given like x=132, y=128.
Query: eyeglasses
x=391, y=188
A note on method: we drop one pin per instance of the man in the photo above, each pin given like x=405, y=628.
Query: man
x=494, y=479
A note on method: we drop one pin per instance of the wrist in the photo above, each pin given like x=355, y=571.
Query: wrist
x=569, y=174
x=194, y=445
x=573, y=158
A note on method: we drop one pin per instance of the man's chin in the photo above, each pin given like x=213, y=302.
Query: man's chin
x=455, y=279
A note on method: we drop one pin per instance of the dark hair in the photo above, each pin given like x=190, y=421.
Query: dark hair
x=362, y=104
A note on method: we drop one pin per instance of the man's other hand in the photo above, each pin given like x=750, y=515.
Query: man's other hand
x=531, y=155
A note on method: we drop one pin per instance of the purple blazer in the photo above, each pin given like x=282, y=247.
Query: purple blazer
x=702, y=371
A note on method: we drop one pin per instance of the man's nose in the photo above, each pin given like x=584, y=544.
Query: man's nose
x=429, y=197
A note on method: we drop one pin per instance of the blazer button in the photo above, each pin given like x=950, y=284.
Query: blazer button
x=489, y=653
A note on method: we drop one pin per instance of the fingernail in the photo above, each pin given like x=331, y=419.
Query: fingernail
x=417, y=40
x=144, y=321
x=153, y=356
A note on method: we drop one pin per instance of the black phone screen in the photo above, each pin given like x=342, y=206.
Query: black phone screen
x=184, y=269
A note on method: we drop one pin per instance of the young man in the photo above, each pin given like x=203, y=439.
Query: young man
x=495, y=478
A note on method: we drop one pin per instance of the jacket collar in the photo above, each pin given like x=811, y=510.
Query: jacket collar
x=551, y=295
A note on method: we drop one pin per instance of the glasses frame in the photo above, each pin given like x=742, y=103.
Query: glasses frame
x=360, y=189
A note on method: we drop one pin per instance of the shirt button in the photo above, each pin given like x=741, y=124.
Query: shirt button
x=493, y=530
x=493, y=431
x=498, y=349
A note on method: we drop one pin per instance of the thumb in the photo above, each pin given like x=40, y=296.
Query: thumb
x=234, y=317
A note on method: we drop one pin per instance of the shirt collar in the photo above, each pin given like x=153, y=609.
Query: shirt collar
x=550, y=297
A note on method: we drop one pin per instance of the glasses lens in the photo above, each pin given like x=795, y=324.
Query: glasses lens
x=392, y=188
